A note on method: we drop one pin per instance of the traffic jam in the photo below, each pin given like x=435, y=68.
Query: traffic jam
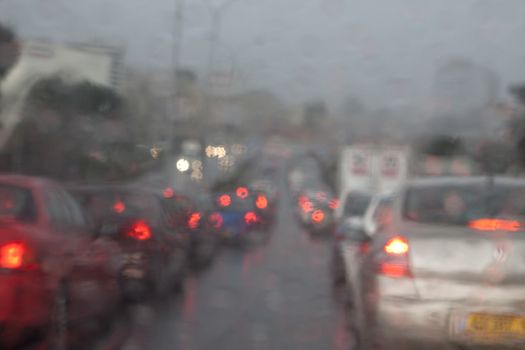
x=76, y=253
x=262, y=175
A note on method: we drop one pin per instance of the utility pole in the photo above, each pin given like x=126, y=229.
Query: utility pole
x=173, y=110
x=178, y=32
x=215, y=34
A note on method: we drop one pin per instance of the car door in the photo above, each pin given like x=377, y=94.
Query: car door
x=89, y=283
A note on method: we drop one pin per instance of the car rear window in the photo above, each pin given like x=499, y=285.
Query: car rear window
x=236, y=204
x=461, y=205
x=107, y=204
x=17, y=203
x=356, y=204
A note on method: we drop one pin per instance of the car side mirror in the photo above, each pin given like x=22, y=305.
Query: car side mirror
x=353, y=230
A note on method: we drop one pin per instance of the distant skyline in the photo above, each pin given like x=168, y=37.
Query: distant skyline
x=300, y=49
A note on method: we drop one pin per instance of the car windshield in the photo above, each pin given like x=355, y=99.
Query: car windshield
x=235, y=203
x=17, y=203
x=464, y=204
x=310, y=110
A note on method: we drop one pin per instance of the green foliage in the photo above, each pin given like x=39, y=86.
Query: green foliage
x=444, y=146
x=80, y=98
x=76, y=132
x=9, y=50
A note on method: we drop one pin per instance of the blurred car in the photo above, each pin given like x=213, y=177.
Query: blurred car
x=265, y=207
x=448, y=268
x=315, y=211
x=195, y=217
x=53, y=271
x=238, y=214
x=155, y=254
x=356, y=207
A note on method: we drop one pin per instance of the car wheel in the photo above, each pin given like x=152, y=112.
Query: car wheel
x=59, y=320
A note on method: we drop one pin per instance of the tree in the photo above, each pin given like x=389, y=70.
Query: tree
x=9, y=50
x=75, y=131
x=444, y=146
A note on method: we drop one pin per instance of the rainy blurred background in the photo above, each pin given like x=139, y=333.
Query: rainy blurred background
x=192, y=123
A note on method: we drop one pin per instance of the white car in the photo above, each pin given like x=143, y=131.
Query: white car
x=355, y=230
x=448, y=269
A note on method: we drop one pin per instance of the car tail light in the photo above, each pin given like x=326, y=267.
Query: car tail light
x=301, y=200
x=307, y=206
x=495, y=225
x=393, y=261
x=194, y=220
x=16, y=255
x=318, y=216
x=334, y=204
x=168, y=192
x=224, y=200
x=140, y=231
x=250, y=217
x=261, y=202
x=119, y=207
x=242, y=192
x=396, y=246
x=216, y=220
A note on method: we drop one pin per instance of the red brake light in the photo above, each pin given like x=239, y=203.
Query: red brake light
x=395, y=263
x=495, y=225
x=334, y=204
x=216, y=220
x=318, y=216
x=168, y=192
x=261, y=202
x=13, y=255
x=307, y=206
x=394, y=269
x=194, y=220
x=250, y=217
x=140, y=231
x=119, y=207
x=225, y=200
x=301, y=200
x=242, y=192
x=396, y=246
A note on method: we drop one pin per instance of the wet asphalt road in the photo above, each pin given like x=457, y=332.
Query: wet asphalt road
x=276, y=295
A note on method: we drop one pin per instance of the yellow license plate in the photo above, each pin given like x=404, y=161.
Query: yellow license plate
x=495, y=327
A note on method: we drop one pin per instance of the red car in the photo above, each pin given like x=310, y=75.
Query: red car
x=53, y=272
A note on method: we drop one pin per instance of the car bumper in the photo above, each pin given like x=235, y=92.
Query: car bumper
x=435, y=322
x=25, y=301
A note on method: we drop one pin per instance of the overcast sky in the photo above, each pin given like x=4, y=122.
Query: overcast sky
x=299, y=48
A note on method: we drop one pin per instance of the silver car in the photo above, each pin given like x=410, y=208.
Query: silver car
x=448, y=269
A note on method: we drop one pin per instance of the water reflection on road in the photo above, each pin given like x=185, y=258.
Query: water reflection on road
x=273, y=296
